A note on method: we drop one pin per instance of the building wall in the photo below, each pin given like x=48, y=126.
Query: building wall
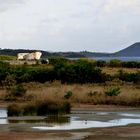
x=29, y=56
x=20, y=56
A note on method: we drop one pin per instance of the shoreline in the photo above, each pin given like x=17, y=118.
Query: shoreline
x=128, y=132
x=112, y=133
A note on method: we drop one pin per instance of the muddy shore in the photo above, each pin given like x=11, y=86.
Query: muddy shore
x=115, y=133
x=128, y=132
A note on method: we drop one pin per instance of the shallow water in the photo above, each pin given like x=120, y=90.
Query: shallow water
x=95, y=120
x=110, y=58
x=89, y=124
x=82, y=120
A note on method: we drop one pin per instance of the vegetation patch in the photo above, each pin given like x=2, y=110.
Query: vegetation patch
x=68, y=95
x=40, y=108
x=15, y=92
x=113, y=92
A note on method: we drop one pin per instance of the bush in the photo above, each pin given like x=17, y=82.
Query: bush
x=113, y=92
x=101, y=63
x=30, y=109
x=115, y=63
x=68, y=95
x=58, y=61
x=4, y=70
x=14, y=110
x=81, y=72
x=39, y=108
x=131, y=64
x=129, y=77
x=18, y=91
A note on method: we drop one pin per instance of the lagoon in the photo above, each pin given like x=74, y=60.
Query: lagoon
x=110, y=58
x=73, y=121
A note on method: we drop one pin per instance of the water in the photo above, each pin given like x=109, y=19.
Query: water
x=3, y=113
x=119, y=58
x=82, y=120
x=97, y=119
x=50, y=120
x=3, y=116
x=110, y=58
x=73, y=125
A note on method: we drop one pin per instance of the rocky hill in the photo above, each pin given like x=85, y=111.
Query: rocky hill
x=131, y=51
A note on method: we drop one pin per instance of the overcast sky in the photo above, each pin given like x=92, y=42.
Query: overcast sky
x=69, y=25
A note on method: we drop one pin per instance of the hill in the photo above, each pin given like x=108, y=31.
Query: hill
x=45, y=54
x=95, y=54
x=131, y=51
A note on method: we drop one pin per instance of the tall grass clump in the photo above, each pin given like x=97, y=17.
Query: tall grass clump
x=68, y=95
x=115, y=63
x=39, y=108
x=129, y=77
x=14, y=110
x=113, y=92
x=15, y=92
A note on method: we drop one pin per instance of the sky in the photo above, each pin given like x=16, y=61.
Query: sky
x=69, y=25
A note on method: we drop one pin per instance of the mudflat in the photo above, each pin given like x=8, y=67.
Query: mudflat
x=114, y=133
x=24, y=132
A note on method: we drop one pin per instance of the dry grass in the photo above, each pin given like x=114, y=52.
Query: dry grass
x=87, y=93
x=114, y=70
x=2, y=94
x=82, y=94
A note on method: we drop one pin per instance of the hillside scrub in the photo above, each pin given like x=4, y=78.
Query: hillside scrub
x=81, y=71
x=6, y=57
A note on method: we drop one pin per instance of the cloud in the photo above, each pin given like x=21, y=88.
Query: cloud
x=63, y=25
x=8, y=4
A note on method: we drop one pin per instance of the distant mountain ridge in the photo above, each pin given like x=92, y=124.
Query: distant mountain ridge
x=131, y=51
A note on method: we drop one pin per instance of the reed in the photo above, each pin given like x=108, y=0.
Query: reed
x=53, y=98
x=39, y=108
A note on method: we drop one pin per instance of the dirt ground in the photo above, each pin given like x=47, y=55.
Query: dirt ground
x=116, y=133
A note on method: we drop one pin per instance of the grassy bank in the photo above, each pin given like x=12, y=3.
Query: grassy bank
x=42, y=99
x=39, y=108
x=42, y=89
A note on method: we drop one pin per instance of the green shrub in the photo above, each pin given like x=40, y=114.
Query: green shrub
x=14, y=110
x=80, y=72
x=4, y=70
x=6, y=57
x=129, y=77
x=40, y=108
x=131, y=64
x=18, y=91
x=115, y=63
x=68, y=95
x=57, y=61
x=113, y=92
x=30, y=109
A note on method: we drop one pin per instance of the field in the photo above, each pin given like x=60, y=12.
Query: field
x=93, y=94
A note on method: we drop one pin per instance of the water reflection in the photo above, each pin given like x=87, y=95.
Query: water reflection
x=75, y=121
x=89, y=124
x=51, y=119
x=3, y=113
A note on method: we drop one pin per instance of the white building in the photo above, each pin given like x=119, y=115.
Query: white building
x=29, y=56
x=20, y=56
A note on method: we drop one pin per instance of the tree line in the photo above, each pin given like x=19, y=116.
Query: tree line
x=67, y=71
